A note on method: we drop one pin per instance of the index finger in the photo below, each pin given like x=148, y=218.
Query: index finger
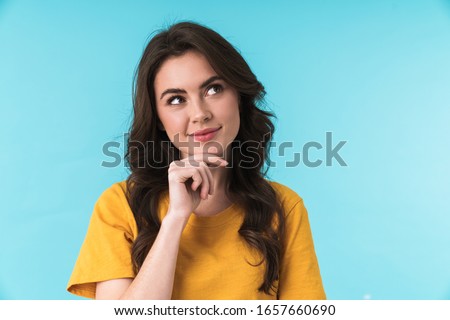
x=209, y=158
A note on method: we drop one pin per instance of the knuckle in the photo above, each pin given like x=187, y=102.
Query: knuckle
x=173, y=164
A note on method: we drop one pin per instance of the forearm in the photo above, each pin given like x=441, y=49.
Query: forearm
x=155, y=278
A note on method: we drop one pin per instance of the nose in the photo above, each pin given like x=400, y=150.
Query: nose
x=200, y=112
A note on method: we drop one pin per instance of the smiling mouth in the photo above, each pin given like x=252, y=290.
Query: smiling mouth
x=204, y=131
x=206, y=136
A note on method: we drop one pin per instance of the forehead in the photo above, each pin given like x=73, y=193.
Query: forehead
x=186, y=71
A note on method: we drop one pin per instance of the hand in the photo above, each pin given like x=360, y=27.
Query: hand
x=191, y=180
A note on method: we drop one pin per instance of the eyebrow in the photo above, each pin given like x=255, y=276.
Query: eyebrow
x=177, y=90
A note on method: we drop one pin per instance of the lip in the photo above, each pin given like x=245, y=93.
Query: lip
x=206, y=134
x=205, y=131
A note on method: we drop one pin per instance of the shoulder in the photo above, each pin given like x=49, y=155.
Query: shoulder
x=115, y=191
x=112, y=205
x=288, y=197
x=114, y=196
x=284, y=191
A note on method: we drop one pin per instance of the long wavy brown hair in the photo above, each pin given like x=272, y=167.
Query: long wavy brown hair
x=149, y=150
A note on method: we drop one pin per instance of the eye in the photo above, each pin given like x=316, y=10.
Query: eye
x=175, y=100
x=214, y=89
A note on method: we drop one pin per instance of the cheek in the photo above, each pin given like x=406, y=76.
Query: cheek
x=170, y=123
x=232, y=114
x=230, y=110
x=233, y=122
x=236, y=120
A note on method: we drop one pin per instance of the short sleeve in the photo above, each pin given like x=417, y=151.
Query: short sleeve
x=299, y=274
x=106, y=251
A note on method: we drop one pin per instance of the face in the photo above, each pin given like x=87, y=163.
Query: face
x=191, y=98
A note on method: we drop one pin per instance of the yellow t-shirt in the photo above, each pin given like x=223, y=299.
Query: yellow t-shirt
x=213, y=260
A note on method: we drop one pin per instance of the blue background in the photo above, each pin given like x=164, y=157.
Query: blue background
x=375, y=73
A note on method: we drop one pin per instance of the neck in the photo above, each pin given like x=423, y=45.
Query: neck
x=221, y=178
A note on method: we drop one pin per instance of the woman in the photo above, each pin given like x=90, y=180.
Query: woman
x=196, y=219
